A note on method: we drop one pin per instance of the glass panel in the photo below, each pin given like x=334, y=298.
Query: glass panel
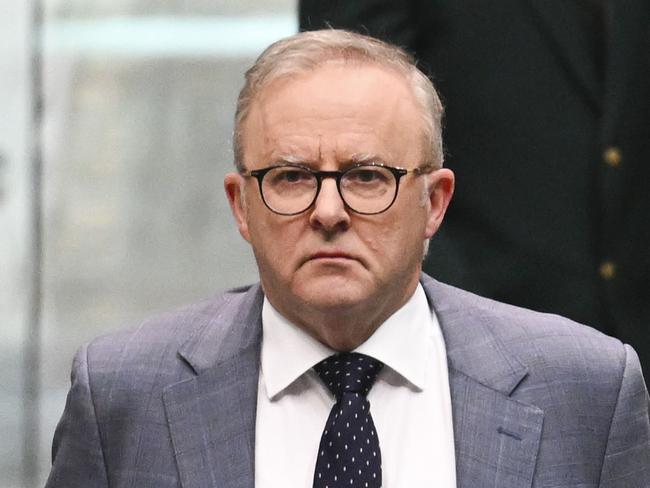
x=139, y=102
x=15, y=225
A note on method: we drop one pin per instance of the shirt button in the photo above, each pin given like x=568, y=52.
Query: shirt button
x=612, y=157
x=607, y=270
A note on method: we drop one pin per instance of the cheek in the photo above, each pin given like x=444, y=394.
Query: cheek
x=396, y=241
x=383, y=239
x=275, y=241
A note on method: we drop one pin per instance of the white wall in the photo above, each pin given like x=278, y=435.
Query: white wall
x=139, y=99
x=15, y=140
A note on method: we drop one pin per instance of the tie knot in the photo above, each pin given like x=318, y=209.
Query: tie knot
x=348, y=372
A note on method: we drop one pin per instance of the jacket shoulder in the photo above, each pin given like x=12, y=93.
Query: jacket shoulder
x=540, y=341
x=156, y=340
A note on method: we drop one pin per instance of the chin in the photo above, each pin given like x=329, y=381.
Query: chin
x=329, y=292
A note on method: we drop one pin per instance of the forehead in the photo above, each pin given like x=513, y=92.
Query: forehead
x=336, y=112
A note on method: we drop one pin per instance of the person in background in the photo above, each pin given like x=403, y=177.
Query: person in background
x=548, y=132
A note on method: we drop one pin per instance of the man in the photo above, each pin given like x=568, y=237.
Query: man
x=547, y=129
x=346, y=366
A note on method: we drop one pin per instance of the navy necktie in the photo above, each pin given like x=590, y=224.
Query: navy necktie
x=348, y=455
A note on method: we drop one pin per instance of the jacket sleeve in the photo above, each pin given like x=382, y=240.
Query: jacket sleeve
x=627, y=456
x=390, y=20
x=77, y=456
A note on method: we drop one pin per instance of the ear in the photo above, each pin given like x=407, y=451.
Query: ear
x=233, y=185
x=440, y=185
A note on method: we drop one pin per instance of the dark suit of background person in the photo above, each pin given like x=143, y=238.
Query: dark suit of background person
x=548, y=131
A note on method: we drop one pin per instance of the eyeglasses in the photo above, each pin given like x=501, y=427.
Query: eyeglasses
x=367, y=188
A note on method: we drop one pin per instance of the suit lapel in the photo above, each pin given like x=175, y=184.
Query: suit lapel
x=211, y=416
x=626, y=27
x=557, y=23
x=496, y=437
x=627, y=41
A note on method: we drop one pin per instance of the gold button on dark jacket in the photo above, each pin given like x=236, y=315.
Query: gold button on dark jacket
x=607, y=270
x=612, y=156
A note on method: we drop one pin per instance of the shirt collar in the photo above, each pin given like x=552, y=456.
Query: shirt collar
x=402, y=343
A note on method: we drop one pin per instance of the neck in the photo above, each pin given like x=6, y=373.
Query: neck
x=343, y=331
x=345, y=328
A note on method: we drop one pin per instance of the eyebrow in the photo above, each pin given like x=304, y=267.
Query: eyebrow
x=354, y=159
x=290, y=159
x=358, y=158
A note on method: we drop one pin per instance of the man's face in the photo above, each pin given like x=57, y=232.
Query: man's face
x=330, y=261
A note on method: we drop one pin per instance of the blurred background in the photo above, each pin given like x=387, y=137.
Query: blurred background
x=115, y=133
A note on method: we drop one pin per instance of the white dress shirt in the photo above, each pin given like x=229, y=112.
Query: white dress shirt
x=410, y=401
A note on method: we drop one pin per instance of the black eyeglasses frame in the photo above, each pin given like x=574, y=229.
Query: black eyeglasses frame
x=397, y=172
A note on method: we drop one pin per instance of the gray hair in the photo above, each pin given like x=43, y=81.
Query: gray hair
x=307, y=51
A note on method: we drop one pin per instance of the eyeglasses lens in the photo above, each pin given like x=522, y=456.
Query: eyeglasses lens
x=364, y=189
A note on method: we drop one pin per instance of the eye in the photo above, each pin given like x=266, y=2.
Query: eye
x=367, y=175
x=292, y=176
x=289, y=175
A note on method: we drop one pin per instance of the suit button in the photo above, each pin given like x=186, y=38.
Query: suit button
x=612, y=157
x=607, y=270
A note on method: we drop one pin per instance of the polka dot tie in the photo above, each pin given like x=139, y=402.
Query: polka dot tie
x=349, y=455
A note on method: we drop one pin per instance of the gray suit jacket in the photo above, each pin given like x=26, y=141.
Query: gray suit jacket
x=537, y=400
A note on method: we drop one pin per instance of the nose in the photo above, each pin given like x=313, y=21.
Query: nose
x=329, y=212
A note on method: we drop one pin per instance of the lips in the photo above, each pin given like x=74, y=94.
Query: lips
x=330, y=255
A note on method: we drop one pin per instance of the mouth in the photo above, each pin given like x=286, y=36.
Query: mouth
x=331, y=255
